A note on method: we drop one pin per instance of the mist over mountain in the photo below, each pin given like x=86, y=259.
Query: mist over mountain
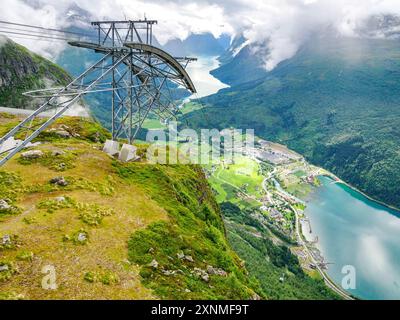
x=197, y=44
x=238, y=67
x=248, y=59
x=380, y=26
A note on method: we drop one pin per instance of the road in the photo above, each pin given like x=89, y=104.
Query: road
x=264, y=186
x=327, y=280
x=302, y=243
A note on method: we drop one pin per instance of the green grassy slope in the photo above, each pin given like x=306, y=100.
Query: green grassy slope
x=196, y=230
x=129, y=216
x=337, y=102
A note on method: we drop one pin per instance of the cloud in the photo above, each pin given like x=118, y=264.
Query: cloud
x=283, y=25
x=45, y=15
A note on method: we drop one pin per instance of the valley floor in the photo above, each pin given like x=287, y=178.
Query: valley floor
x=272, y=180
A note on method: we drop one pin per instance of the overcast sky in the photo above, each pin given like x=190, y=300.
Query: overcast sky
x=285, y=24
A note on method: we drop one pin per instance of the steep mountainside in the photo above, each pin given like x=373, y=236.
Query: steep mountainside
x=22, y=70
x=243, y=67
x=337, y=102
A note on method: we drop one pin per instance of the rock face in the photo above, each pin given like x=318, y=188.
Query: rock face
x=21, y=70
x=378, y=25
x=18, y=67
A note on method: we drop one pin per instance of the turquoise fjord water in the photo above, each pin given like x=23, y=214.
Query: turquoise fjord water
x=356, y=231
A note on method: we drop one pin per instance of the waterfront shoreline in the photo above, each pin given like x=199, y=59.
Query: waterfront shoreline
x=340, y=181
x=354, y=230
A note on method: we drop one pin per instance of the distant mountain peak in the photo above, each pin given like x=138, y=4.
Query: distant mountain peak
x=77, y=15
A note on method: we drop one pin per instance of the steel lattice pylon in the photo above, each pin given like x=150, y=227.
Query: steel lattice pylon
x=140, y=77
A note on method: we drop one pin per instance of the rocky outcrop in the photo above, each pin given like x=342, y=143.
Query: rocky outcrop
x=59, y=181
x=32, y=154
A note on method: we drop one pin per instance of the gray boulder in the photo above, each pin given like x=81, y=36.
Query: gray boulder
x=60, y=181
x=82, y=237
x=216, y=271
x=180, y=255
x=32, y=154
x=4, y=267
x=189, y=258
x=63, y=134
x=4, y=205
x=205, y=277
x=154, y=264
x=6, y=239
x=57, y=153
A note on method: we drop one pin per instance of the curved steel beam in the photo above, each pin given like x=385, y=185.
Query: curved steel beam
x=163, y=55
x=167, y=58
x=102, y=49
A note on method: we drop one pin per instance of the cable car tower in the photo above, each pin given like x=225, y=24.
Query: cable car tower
x=140, y=77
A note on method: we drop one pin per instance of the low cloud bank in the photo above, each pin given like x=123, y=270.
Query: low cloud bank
x=282, y=25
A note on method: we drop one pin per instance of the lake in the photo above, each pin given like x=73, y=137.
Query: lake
x=199, y=71
x=356, y=231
